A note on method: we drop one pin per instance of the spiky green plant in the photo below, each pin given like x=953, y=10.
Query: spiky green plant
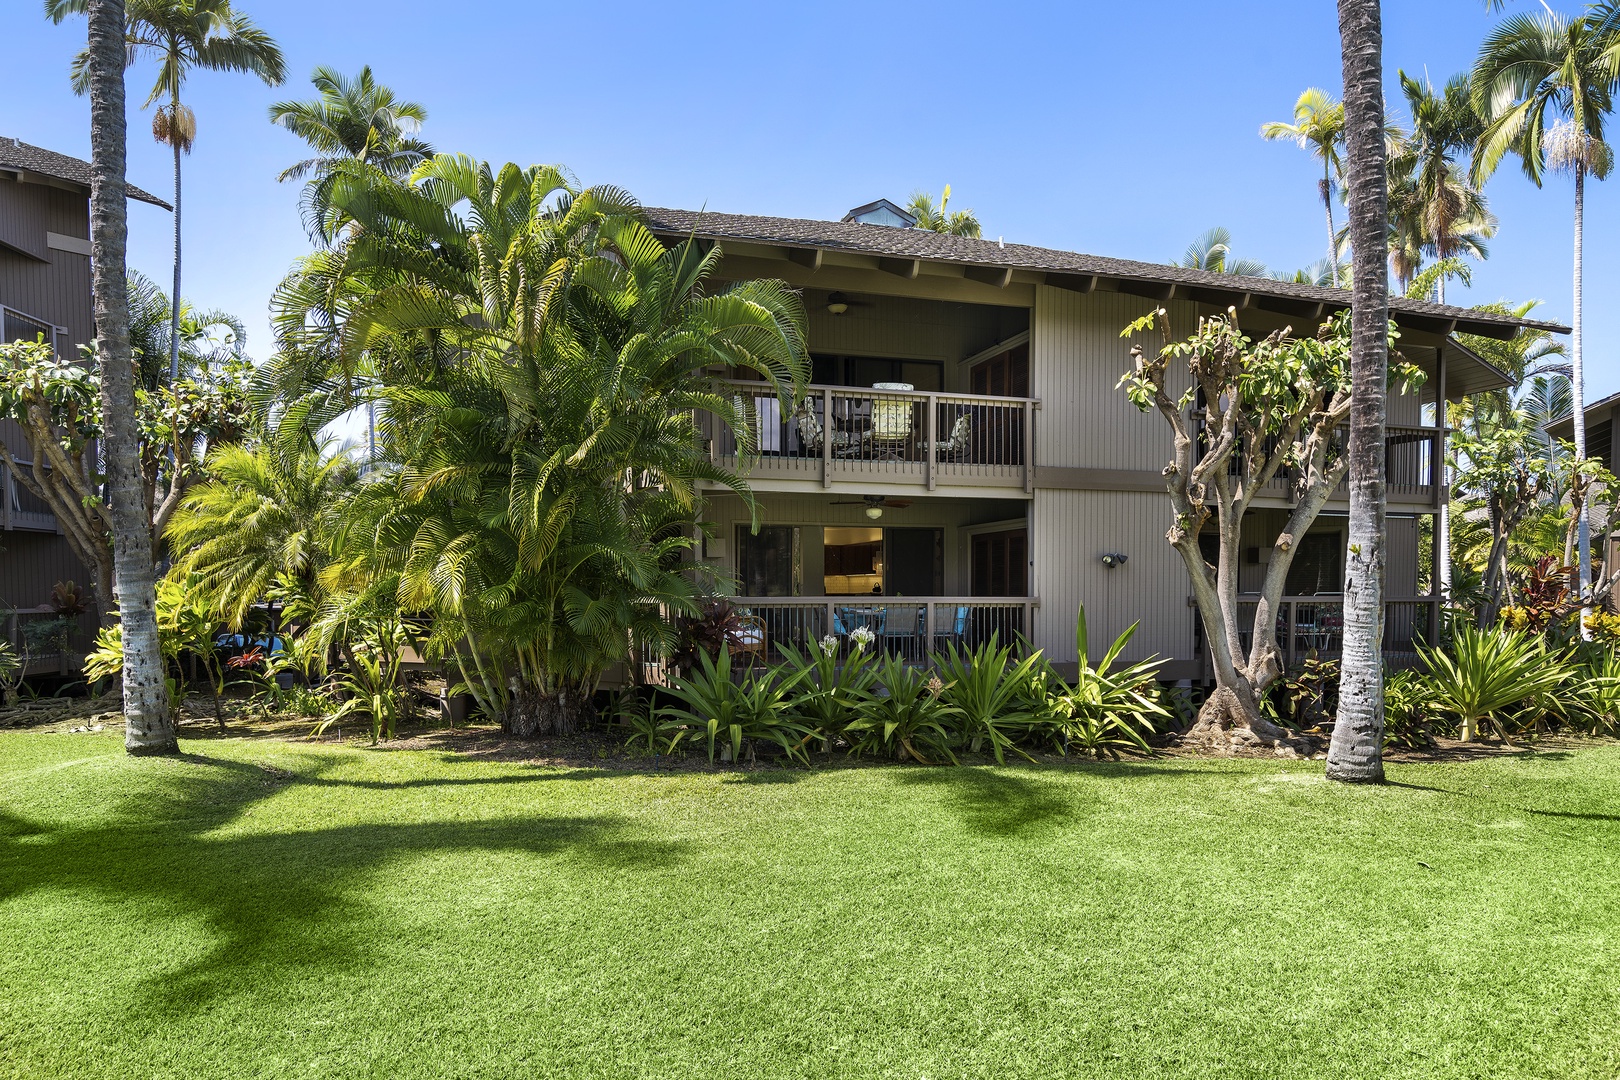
x=908, y=716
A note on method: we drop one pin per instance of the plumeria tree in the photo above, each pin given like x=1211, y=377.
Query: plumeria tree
x=58, y=404
x=1243, y=413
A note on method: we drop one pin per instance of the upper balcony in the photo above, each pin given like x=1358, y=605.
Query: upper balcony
x=888, y=435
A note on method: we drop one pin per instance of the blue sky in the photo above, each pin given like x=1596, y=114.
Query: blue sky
x=1108, y=128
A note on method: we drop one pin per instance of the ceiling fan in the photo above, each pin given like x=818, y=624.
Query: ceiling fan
x=838, y=303
x=875, y=504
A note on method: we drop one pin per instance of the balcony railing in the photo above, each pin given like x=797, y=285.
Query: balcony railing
x=19, y=508
x=1314, y=626
x=893, y=436
x=910, y=627
x=1412, y=456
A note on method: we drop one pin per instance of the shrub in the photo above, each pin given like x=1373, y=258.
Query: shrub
x=1106, y=710
x=756, y=707
x=1504, y=678
x=1406, y=719
x=830, y=694
x=988, y=687
x=907, y=717
x=1594, y=699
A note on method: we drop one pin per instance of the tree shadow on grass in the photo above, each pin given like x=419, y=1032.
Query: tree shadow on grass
x=279, y=905
x=998, y=802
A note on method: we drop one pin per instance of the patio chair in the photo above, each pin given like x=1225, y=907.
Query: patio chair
x=812, y=434
x=748, y=638
x=846, y=619
x=890, y=431
x=904, y=636
x=957, y=444
x=957, y=631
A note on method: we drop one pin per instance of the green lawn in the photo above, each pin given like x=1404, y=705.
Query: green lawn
x=276, y=909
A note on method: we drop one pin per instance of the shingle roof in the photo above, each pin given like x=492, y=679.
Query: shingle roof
x=16, y=154
x=883, y=241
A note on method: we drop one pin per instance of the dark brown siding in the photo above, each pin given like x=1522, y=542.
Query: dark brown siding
x=32, y=563
x=57, y=290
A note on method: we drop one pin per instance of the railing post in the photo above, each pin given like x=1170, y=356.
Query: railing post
x=1293, y=631
x=1029, y=447
x=931, y=433
x=828, y=427
x=5, y=497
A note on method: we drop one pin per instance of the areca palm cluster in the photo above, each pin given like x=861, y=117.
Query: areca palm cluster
x=540, y=361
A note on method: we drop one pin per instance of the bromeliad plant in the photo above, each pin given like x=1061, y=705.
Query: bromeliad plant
x=906, y=718
x=755, y=708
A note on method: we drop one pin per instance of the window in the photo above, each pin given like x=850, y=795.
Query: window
x=829, y=370
x=1315, y=568
x=1004, y=375
x=769, y=562
x=1001, y=563
x=887, y=562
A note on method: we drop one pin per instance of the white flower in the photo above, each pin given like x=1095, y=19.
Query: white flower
x=829, y=644
x=862, y=637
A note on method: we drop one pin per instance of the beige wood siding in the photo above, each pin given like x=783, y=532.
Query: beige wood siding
x=1072, y=531
x=1076, y=360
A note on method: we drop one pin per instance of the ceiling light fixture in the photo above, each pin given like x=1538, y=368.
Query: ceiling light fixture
x=874, y=512
x=836, y=304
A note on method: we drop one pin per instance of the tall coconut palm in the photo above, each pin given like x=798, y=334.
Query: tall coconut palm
x=1448, y=209
x=1356, y=751
x=148, y=727
x=357, y=119
x=182, y=35
x=942, y=219
x=1544, y=84
x=1319, y=126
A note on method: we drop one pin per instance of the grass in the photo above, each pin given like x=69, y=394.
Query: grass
x=268, y=909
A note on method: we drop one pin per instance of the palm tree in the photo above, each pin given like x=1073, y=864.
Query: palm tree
x=148, y=727
x=1356, y=751
x=542, y=359
x=260, y=522
x=1212, y=252
x=944, y=219
x=1533, y=68
x=355, y=119
x=1319, y=126
x=182, y=35
x=1450, y=213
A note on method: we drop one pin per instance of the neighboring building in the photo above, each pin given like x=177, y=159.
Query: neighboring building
x=1600, y=422
x=965, y=461
x=44, y=289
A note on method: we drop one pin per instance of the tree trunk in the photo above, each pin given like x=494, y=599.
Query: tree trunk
x=174, y=307
x=148, y=727
x=536, y=712
x=1583, y=525
x=1327, y=204
x=1356, y=750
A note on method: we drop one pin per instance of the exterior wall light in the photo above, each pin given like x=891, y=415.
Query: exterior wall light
x=1113, y=559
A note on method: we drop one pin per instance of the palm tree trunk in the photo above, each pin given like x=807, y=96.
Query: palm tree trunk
x=1583, y=526
x=1327, y=204
x=174, y=311
x=1356, y=750
x=148, y=728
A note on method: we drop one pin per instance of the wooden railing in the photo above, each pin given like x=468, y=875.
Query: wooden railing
x=893, y=436
x=1314, y=625
x=1412, y=456
x=19, y=508
x=909, y=627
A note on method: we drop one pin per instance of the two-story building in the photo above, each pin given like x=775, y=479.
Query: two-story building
x=44, y=291
x=965, y=463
